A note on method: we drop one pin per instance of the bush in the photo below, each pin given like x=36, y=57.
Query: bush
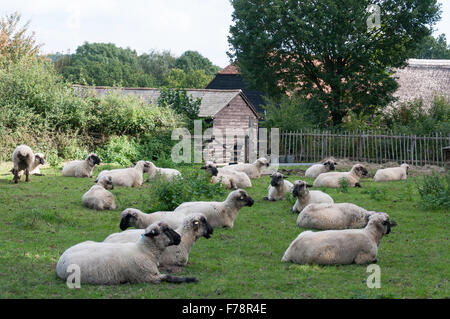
x=120, y=150
x=434, y=191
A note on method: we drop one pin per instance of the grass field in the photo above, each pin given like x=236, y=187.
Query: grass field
x=41, y=219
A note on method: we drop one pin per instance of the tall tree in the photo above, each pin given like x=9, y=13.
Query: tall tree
x=158, y=64
x=325, y=51
x=192, y=60
x=432, y=48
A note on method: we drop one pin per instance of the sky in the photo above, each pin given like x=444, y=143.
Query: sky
x=142, y=25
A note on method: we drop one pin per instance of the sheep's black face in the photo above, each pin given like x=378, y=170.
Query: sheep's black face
x=174, y=237
x=94, y=159
x=388, y=224
x=277, y=179
x=125, y=221
x=246, y=199
x=362, y=171
x=211, y=169
x=40, y=160
x=300, y=188
x=330, y=165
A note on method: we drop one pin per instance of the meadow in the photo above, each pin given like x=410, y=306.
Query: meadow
x=41, y=219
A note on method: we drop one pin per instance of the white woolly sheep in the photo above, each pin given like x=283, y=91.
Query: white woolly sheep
x=340, y=247
x=305, y=196
x=117, y=263
x=252, y=170
x=81, y=168
x=231, y=179
x=25, y=160
x=278, y=187
x=129, y=177
x=168, y=173
x=98, y=197
x=333, y=179
x=132, y=217
x=317, y=169
x=333, y=216
x=193, y=227
x=392, y=173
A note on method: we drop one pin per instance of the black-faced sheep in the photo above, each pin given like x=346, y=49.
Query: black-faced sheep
x=231, y=179
x=25, y=160
x=392, y=173
x=334, y=179
x=278, y=187
x=168, y=173
x=81, y=168
x=305, y=196
x=317, y=169
x=128, y=177
x=98, y=197
x=252, y=170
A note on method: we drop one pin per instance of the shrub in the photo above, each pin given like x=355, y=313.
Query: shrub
x=434, y=191
x=343, y=185
x=120, y=150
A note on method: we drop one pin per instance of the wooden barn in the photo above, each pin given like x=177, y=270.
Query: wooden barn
x=231, y=112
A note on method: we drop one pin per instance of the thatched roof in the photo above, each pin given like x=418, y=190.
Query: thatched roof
x=423, y=79
x=213, y=101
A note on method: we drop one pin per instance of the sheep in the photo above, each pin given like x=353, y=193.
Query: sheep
x=278, y=187
x=333, y=216
x=168, y=173
x=81, y=168
x=115, y=263
x=132, y=217
x=305, y=196
x=193, y=227
x=324, y=167
x=392, y=173
x=98, y=197
x=219, y=214
x=334, y=179
x=340, y=247
x=231, y=179
x=24, y=160
x=252, y=170
x=129, y=177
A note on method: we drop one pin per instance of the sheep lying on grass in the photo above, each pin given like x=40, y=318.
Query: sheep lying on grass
x=219, y=214
x=317, y=169
x=168, y=173
x=129, y=177
x=334, y=179
x=305, y=196
x=278, y=187
x=81, y=168
x=25, y=160
x=334, y=247
x=193, y=227
x=333, y=216
x=98, y=197
x=231, y=179
x=252, y=170
x=392, y=173
x=132, y=217
x=117, y=263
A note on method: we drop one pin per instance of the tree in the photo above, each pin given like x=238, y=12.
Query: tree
x=324, y=50
x=194, y=79
x=157, y=64
x=432, y=48
x=192, y=60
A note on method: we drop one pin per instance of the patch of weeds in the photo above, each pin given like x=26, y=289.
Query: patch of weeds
x=376, y=194
x=434, y=191
x=38, y=219
x=343, y=185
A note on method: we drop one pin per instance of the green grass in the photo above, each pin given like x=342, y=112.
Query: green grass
x=41, y=219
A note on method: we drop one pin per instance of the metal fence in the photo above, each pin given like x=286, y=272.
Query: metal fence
x=375, y=147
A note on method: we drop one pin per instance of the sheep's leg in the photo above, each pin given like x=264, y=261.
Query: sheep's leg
x=358, y=185
x=16, y=175
x=27, y=174
x=177, y=280
x=364, y=258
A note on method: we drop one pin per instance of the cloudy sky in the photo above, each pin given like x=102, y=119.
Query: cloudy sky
x=175, y=25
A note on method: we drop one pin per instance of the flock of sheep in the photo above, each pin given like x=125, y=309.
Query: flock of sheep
x=161, y=240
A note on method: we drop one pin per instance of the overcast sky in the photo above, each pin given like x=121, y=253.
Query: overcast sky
x=142, y=25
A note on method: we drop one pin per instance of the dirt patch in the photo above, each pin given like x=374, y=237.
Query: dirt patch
x=292, y=171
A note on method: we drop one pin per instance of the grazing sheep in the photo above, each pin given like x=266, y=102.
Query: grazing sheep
x=98, y=197
x=193, y=227
x=132, y=217
x=392, y=173
x=306, y=197
x=340, y=247
x=252, y=170
x=333, y=216
x=317, y=169
x=278, y=187
x=24, y=160
x=333, y=179
x=81, y=168
x=117, y=263
x=168, y=173
x=231, y=179
x=219, y=214
x=129, y=177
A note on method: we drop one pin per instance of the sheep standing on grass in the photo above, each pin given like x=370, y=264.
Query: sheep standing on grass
x=231, y=179
x=340, y=247
x=333, y=216
x=193, y=227
x=117, y=263
x=98, y=197
x=392, y=173
x=25, y=160
x=305, y=196
x=129, y=177
x=168, y=173
x=317, y=169
x=81, y=168
x=334, y=179
x=278, y=187
x=252, y=170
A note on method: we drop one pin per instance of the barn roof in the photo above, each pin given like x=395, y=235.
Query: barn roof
x=213, y=101
x=423, y=78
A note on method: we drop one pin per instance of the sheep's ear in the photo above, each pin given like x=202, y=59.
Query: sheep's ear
x=152, y=233
x=203, y=167
x=134, y=214
x=308, y=185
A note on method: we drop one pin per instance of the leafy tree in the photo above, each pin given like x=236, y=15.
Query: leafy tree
x=157, y=64
x=432, y=48
x=181, y=103
x=325, y=50
x=194, y=79
x=192, y=60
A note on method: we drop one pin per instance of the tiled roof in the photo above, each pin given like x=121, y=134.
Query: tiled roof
x=230, y=69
